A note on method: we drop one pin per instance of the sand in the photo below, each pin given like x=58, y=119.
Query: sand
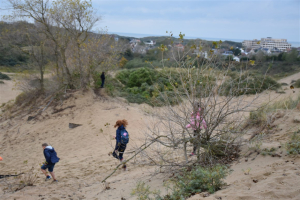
x=85, y=161
x=8, y=91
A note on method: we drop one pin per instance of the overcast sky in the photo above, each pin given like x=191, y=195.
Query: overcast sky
x=235, y=19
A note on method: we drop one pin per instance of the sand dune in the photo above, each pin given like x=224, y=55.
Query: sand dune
x=7, y=90
x=85, y=160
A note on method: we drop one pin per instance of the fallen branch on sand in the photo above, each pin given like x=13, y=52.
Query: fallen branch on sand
x=32, y=117
x=9, y=175
x=62, y=109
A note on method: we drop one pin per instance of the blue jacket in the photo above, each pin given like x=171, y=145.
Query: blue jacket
x=50, y=155
x=118, y=133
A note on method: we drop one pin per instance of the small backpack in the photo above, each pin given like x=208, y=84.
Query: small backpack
x=124, y=136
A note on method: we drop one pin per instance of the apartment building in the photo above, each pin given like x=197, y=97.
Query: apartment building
x=269, y=42
x=253, y=44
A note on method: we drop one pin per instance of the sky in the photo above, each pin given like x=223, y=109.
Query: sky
x=234, y=19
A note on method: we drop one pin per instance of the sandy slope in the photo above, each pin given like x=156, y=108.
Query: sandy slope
x=83, y=150
x=7, y=90
x=85, y=161
x=277, y=177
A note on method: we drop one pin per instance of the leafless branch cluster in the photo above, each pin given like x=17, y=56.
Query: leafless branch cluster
x=201, y=116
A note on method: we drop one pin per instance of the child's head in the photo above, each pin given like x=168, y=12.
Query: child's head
x=198, y=106
x=121, y=122
x=44, y=145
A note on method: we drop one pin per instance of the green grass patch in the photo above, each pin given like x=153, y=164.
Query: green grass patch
x=293, y=145
x=260, y=116
x=297, y=83
x=267, y=151
x=4, y=76
x=248, y=83
x=187, y=183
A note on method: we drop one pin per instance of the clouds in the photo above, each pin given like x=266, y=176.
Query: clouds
x=236, y=19
x=241, y=19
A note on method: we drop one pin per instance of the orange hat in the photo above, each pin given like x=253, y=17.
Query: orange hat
x=0, y=158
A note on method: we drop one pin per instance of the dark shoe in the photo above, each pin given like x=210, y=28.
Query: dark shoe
x=54, y=181
x=48, y=178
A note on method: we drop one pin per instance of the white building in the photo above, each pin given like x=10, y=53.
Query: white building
x=150, y=43
x=269, y=42
x=237, y=59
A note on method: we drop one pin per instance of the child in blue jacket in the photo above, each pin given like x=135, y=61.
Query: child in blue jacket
x=51, y=160
x=122, y=138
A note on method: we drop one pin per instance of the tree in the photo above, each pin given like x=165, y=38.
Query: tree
x=237, y=52
x=128, y=54
x=123, y=62
x=220, y=102
x=63, y=22
x=260, y=56
x=77, y=17
x=292, y=56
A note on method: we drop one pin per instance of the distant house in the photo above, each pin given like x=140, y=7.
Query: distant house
x=227, y=53
x=265, y=50
x=216, y=51
x=252, y=51
x=179, y=46
x=237, y=59
x=150, y=43
x=135, y=41
x=133, y=44
x=115, y=37
x=275, y=51
x=200, y=53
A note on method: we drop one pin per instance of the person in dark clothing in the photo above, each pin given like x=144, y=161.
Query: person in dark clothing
x=102, y=79
x=122, y=138
x=51, y=160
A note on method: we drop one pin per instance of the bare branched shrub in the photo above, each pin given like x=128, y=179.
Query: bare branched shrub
x=204, y=108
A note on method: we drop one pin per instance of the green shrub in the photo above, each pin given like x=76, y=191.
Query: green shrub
x=140, y=76
x=146, y=85
x=248, y=84
x=297, y=83
x=28, y=97
x=4, y=76
x=267, y=151
x=136, y=63
x=199, y=179
x=293, y=146
x=143, y=192
x=1, y=82
x=136, y=77
x=136, y=98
